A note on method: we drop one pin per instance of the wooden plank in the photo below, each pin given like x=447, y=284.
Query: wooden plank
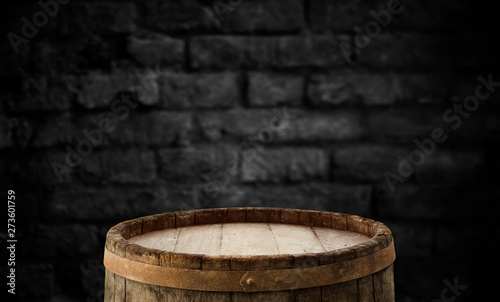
x=339, y=221
x=164, y=240
x=290, y=216
x=137, y=291
x=209, y=216
x=109, y=286
x=365, y=289
x=119, y=288
x=236, y=215
x=278, y=296
x=332, y=239
x=263, y=215
x=180, y=295
x=308, y=294
x=341, y=292
x=186, y=218
x=383, y=285
x=247, y=239
x=203, y=239
x=158, y=222
x=295, y=239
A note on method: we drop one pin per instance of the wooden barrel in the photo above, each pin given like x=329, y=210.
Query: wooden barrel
x=249, y=254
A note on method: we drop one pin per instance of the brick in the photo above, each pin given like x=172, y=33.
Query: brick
x=343, y=15
x=153, y=129
x=402, y=124
x=131, y=166
x=447, y=166
x=56, y=130
x=274, y=165
x=344, y=198
x=281, y=125
x=430, y=51
x=44, y=94
x=364, y=162
x=100, y=90
x=412, y=240
x=23, y=131
x=405, y=50
x=269, y=16
x=113, y=204
x=66, y=240
x=274, y=89
x=92, y=18
x=215, y=125
x=351, y=88
x=423, y=88
x=200, y=164
x=316, y=126
x=230, y=52
x=42, y=169
x=212, y=90
x=163, y=50
x=377, y=88
x=175, y=16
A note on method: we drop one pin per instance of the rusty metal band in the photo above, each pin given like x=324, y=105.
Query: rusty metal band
x=250, y=281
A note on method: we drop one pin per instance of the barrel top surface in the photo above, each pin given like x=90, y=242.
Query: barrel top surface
x=248, y=238
x=241, y=238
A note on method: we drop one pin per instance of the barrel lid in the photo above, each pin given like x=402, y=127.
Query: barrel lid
x=337, y=246
x=248, y=238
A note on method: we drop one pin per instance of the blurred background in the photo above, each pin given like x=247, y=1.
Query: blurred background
x=118, y=109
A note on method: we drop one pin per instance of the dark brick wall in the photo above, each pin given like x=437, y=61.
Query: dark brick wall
x=153, y=106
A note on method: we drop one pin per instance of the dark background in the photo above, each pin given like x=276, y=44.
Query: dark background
x=212, y=87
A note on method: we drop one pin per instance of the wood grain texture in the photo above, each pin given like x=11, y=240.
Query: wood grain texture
x=308, y=294
x=279, y=296
x=336, y=239
x=164, y=240
x=365, y=289
x=203, y=239
x=383, y=285
x=109, y=286
x=136, y=291
x=120, y=287
x=181, y=295
x=239, y=239
x=248, y=239
x=295, y=239
x=340, y=292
